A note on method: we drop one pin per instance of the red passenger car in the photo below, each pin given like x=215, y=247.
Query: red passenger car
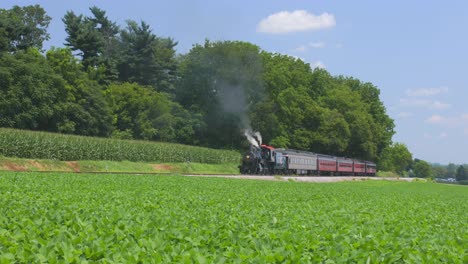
x=345, y=166
x=359, y=168
x=326, y=163
x=371, y=168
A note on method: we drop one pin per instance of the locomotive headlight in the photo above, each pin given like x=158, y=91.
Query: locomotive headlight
x=247, y=157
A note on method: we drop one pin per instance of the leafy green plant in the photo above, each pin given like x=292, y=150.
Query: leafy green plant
x=60, y=218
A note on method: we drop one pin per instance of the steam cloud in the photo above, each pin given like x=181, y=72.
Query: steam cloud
x=253, y=137
x=238, y=89
x=233, y=100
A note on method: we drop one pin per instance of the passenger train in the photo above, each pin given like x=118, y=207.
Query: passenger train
x=268, y=160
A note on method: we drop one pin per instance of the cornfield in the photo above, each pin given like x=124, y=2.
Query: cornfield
x=43, y=145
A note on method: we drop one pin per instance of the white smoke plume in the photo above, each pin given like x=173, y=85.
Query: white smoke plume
x=259, y=137
x=255, y=138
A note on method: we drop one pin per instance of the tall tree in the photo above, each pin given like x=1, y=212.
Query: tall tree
x=383, y=126
x=422, y=169
x=23, y=27
x=147, y=59
x=396, y=158
x=461, y=174
x=285, y=79
x=451, y=170
x=85, y=111
x=30, y=92
x=95, y=37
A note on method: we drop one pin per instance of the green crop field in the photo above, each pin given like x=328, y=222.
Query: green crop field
x=69, y=218
x=42, y=145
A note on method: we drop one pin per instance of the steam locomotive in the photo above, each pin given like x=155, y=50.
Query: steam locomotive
x=264, y=159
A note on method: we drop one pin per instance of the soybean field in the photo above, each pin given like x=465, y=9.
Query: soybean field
x=88, y=218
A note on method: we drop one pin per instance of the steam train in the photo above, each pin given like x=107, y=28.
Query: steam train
x=265, y=159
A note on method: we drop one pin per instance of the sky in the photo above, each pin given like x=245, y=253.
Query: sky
x=415, y=52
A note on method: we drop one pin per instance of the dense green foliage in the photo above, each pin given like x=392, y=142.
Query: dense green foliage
x=462, y=174
x=42, y=145
x=449, y=171
x=396, y=158
x=127, y=82
x=139, y=112
x=422, y=169
x=23, y=27
x=50, y=94
x=128, y=219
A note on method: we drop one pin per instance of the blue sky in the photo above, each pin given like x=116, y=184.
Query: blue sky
x=415, y=52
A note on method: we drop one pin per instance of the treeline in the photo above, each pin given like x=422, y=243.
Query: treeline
x=451, y=171
x=126, y=82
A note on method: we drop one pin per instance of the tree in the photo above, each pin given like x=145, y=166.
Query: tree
x=461, y=174
x=382, y=125
x=141, y=113
x=451, y=170
x=95, y=38
x=281, y=76
x=30, y=92
x=396, y=158
x=84, y=111
x=147, y=59
x=439, y=171
x=50, y=94
x=361, y=141
x=422, y=169
x=22, y=28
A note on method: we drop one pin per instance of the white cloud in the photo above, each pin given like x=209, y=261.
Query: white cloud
x=452, y=121
x=301, y=48
x=436, y=119
x=314, y=45
x=424, y=103
x=404, y=114
x=440, y=105
x=317, y=45
x=443, y=135
x=414, y=102
x=317, y=64
x=426, y=91
x=296, y=21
